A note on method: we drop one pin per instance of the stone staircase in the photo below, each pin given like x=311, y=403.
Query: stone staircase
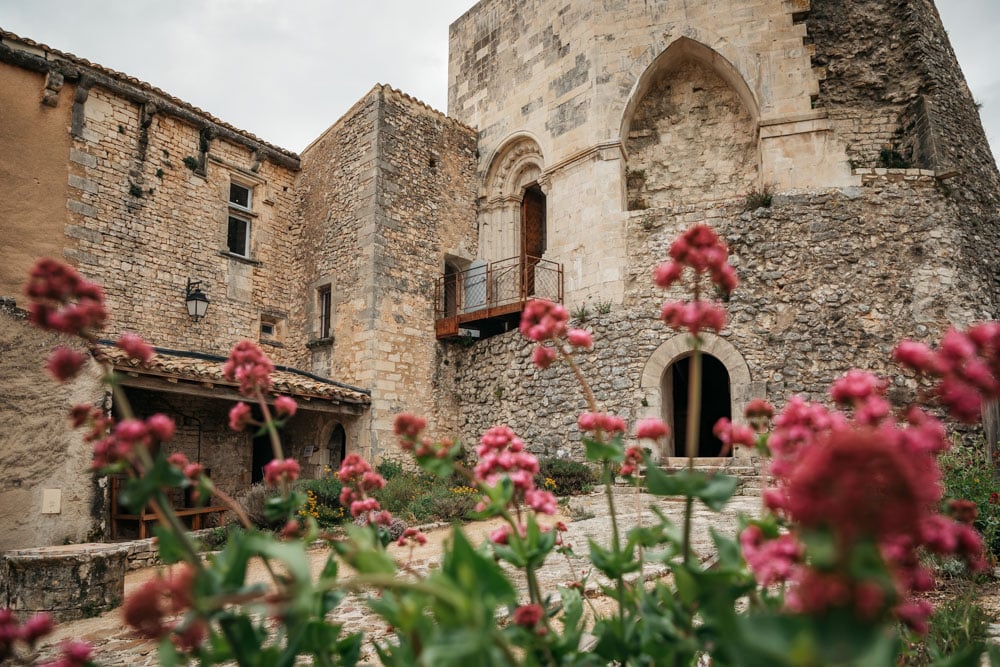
x=744, y=469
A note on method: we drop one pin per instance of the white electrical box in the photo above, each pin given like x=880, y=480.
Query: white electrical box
x=51, y=501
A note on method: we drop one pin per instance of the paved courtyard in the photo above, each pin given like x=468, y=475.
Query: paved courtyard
x=116, y=645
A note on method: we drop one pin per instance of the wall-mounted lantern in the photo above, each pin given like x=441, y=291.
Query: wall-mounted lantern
x=197, y=302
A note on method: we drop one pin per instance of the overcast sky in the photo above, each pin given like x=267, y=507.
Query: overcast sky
x=285, y=70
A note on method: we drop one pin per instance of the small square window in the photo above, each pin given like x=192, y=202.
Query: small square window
x=238, y=236
x=240, y=196
x=266, y=329
x=324, y=299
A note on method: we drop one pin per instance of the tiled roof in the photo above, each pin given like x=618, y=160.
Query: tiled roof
x=14, y=41
x=177, y=366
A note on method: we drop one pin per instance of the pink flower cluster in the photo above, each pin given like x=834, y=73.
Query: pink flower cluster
x=599, y=422
x=278, y=471
x=543, y=321
x=13, y=632
x=530, y=616
x=771, y=561
x=125, y=436
x=693, y=316
x=633, y=459
x=864, y=479
x=63, y=301
x=148, y=608
x=502, y=454
x=966, y=364
x=651, y=428
x=733, y=434
x=250, y=367
x=700, y=249
x=703, y=252
x=359, y=480
x=408, y=428
x=135, y=347
x=759, y=413
x=192, y=471
x=411, y=536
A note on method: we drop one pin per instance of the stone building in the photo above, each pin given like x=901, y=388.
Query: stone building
x=384, y=268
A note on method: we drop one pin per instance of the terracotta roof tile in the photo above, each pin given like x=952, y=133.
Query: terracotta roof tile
x=196, y=369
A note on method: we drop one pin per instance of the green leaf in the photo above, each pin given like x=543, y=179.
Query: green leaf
x=613, y=452
x=476, y=574
x=168, y=545
x=728, y=549
x=659, y=483
x=361, y=553
x=279, y=508
x=167, y=652
x=137, y=493
x=687, y=588
x=717, y=491
x=612, y=563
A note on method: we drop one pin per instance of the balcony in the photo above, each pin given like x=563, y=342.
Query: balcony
x=488, y=298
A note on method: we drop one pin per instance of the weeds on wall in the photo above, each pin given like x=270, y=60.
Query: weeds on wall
x=756, y=199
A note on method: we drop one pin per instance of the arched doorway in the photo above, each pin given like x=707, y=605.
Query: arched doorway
x=533, y=236
x=337, y=447
x=451, y=287
x=657, y=389
x=716, y=403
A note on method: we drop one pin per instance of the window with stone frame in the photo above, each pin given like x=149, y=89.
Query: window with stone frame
x=324, y=308
x=240, y=212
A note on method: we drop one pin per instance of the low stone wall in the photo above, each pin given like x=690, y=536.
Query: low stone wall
x=68, y=582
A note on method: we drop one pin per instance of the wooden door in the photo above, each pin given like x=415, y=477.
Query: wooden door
x=532, y=236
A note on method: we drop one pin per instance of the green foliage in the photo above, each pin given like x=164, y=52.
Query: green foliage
x=191, y=162
x=581, y=313
x=420, y=497
x=568, y=478
x=756, y=199
x=255, y=502
x=891, y=159
x=957, y=629
x=969, y=475
x=389, y=468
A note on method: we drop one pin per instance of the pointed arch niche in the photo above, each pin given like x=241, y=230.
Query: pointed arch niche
x=514, y=197
x=727, y=379
x=690, y=130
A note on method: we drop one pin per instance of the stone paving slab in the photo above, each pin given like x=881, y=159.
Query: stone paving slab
x=115, y=645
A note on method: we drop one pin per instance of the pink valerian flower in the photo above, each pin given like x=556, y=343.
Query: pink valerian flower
x=72, y=653
x=796, y=428
x=543, y=320
x=771, y=561
x=599, y=422
x=161, y=427
x=915, y=614
x=135, y=347
x=64, y=363
x=967, y=365
x=63, y=301
x=651, y=428
x=411, y=536
x=733, y=434
x=278, y=471
x=192, y=471
x=580, y=338
x=285, y=406
x=864, y=392
x=543, y=502
x=543, y=356
x=240, y=416
x=250, y=367
x=633, y=459
x=700, y=249
x=407, y=427
x=148, y=607
x=528, y=615
x=359, y=480
x=693, y=316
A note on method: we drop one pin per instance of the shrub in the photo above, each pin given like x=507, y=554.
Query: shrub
x=570, y=477
x=389, y=468
x=969, y=475
x=957, y=626
x=253, y=505
x=756, y=199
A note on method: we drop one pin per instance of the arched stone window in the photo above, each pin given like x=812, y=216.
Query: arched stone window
x=513, y=199
x=663, y=385
x=337, y=447
x=690, y=130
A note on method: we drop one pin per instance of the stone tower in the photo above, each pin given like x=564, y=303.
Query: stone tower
x=636, y=120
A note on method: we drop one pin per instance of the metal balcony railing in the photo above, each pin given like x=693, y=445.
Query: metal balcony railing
x=495, y=290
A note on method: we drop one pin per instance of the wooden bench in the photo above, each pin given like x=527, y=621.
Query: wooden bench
x=148, y=516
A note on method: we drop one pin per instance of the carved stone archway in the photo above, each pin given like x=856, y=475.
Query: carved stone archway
x=741, y=389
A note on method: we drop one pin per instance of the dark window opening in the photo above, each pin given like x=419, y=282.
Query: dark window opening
x=324, y=297
x=239, y=195
x=238, y=237
x=451, y=287
x=715, y=404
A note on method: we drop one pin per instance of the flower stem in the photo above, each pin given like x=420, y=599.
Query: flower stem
x=693, y=430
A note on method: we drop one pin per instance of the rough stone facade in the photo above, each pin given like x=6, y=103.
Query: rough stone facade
x=627, y=121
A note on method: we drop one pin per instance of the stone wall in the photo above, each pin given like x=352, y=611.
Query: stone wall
x=829, y=281
x=387, y=194
x=136, y=197
x=39, y=452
